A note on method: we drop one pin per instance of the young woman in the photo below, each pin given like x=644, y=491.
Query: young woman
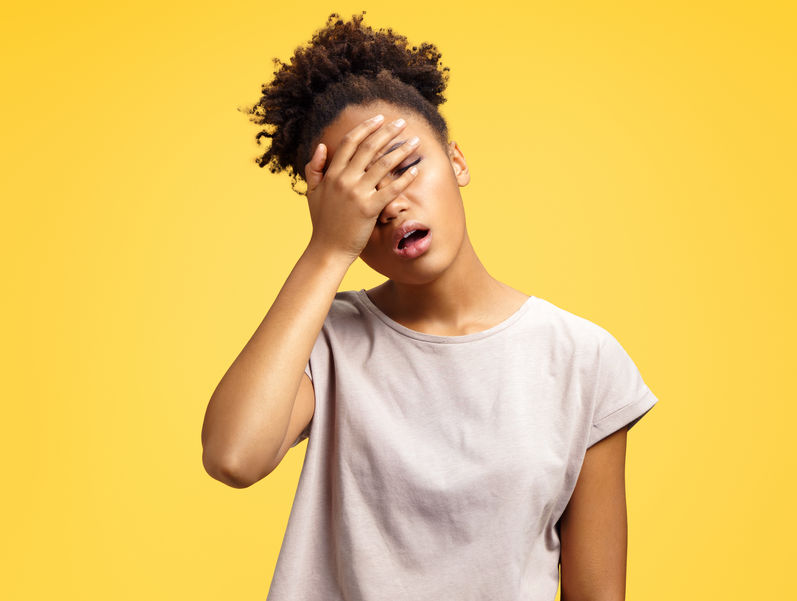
x=465, y=438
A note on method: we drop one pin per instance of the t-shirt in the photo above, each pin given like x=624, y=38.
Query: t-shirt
x=437, y=467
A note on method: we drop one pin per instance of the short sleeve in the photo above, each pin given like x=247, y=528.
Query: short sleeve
x=621, y=396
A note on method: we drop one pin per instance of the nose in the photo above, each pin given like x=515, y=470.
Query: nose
x=392, y=209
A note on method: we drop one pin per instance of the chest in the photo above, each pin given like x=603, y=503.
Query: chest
x=444, y=433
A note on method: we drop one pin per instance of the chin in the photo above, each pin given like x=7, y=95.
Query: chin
x=415, y=272
x=421, y=270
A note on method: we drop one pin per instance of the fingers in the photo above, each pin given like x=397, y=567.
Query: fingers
x=351, y=141
x=363, y=158
x=389, y=162
x=375, y=144
x=394, y=188
x=314, y=170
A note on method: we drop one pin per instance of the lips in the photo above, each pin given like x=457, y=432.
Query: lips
x=409, y=245
x=404, y=229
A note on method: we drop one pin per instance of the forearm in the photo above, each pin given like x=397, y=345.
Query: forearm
x=248, y=414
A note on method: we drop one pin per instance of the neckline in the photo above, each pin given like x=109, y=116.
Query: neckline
x=366, y=301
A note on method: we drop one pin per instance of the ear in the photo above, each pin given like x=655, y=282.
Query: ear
x=458, y=164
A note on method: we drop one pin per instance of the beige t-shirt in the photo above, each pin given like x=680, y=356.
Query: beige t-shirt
x=437, y=467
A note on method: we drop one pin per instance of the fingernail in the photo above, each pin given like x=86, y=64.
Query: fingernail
x=413, y=140
x=377, y=118
x=399, y=122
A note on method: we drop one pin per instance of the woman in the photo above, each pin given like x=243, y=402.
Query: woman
x=464, y=437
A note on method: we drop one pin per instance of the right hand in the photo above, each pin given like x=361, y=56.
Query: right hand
x=344, y=202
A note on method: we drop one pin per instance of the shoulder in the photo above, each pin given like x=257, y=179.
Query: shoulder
x=345, y=306
x=343, y=328
x=576, y=333
x=347, y=316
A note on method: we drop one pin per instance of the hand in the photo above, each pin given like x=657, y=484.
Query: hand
x=344, y=202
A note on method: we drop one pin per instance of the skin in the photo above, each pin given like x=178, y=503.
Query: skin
x=447, y=291
x=594, y=526
x=356, y=197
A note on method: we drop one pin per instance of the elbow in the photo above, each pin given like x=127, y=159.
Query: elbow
x=227, y=471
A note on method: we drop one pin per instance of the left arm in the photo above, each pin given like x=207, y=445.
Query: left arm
x=594, y=526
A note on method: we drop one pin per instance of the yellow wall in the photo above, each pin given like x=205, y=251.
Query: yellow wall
x=632, y=165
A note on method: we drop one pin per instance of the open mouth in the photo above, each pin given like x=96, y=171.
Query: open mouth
x=412, y=238
x=413, y=244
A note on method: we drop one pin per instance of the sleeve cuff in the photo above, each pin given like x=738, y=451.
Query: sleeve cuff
x=625, y=416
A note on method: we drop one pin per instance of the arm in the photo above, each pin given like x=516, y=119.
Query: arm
x=248, y=415
x=265, y=398
x=594, y=527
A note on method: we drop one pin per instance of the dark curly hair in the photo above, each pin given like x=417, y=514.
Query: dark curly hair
x=344, y=63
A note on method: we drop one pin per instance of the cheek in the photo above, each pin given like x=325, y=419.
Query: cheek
x=372, y=245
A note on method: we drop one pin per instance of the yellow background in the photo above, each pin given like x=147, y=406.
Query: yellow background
x=633, y=165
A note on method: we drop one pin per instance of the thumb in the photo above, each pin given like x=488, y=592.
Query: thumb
x=313, y=171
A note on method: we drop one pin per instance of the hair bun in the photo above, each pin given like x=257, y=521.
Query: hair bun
x=340, y=52
x=350, y=47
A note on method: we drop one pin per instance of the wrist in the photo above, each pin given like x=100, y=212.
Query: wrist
x=328, y=258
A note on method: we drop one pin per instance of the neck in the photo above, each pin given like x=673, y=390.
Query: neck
x=464, y=293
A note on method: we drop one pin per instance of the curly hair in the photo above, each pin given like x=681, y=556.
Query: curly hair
x=344, y=63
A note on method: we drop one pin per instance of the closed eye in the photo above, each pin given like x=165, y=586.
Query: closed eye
x=401, y=169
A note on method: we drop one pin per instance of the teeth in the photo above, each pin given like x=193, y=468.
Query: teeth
x=409, y=233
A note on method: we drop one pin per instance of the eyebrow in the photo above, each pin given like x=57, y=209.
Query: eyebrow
x=392, y=148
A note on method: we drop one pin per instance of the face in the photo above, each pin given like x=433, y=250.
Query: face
x=432, y=197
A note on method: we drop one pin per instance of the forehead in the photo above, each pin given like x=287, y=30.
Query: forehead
x=355, y=114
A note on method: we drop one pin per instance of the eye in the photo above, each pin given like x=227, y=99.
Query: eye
x=402, y=168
